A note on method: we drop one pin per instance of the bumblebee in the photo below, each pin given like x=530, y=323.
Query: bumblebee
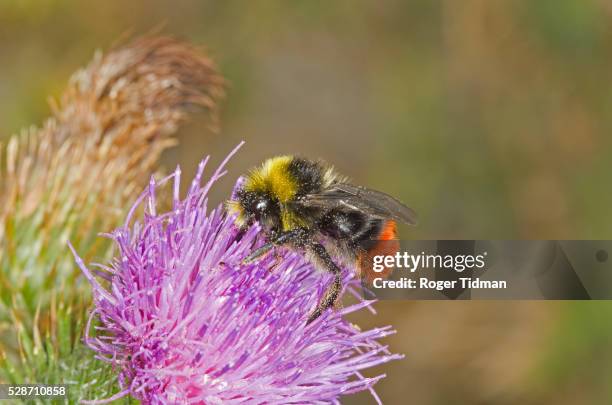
x=306, y=205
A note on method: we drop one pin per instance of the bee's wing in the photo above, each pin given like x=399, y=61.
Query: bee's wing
x=362, y=199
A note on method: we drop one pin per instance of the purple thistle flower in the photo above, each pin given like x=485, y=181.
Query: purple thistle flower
x=185, y=321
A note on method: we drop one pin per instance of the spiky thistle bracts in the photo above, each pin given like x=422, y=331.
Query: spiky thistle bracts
x=184, y=320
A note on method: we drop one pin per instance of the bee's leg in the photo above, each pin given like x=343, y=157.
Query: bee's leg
x=333, y=291
x=257, y=253
x=298, y=236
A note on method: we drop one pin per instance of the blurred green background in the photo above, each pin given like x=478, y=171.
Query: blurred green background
x=491, y=118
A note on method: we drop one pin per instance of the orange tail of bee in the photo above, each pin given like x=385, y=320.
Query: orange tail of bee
x=386, y=245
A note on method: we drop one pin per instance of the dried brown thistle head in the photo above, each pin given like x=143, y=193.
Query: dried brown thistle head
x=71, y=178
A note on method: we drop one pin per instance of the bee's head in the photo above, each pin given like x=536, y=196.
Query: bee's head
x=263, y=192
x=257, y=206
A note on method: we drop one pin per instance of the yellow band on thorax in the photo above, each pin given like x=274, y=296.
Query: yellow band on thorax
x=274, y=178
